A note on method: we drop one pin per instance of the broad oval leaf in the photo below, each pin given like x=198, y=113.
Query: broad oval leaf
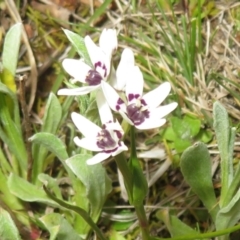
x=95, y=179
x=8, y=230
x=196, y=169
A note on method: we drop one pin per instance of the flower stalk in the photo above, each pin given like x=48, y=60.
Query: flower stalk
x=135, y=183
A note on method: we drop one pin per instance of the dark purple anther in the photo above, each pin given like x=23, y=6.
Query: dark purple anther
x=93, y=78
x=137, y=114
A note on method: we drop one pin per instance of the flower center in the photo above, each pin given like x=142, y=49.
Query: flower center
x=138, y=112
x=93, y=78
x=108, y=140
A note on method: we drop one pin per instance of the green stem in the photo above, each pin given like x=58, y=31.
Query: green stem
x=124, y=169
x=139, y=207
x=203, y=235
x=127, y=176
x=127, y=172
x=143, y=222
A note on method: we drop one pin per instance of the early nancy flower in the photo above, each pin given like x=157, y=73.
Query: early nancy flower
x=106, y=140
x=125, y=65
x=101, y=62
x=142, y=111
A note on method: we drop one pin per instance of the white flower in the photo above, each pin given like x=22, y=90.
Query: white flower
x=105, y=140
x=142, y=111
x=101, y=61
x=123, y=70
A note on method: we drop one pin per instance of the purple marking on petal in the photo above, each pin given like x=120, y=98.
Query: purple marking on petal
x=110, y=151
x=120, y=101
x=143, y=102
x=101, y=65
x=130, y=97
x=136, y=96
x=118, y=133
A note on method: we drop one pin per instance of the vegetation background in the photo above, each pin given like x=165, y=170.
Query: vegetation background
x=195, y=45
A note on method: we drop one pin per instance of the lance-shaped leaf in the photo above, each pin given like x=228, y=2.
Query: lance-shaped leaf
x=228, y=216
x=78, y=43
x=10, y=55
x=27, y=191
x=225, y=145
x=51, y=120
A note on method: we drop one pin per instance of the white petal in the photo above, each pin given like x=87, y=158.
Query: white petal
x=76, y=68
x=103, y=108
x=158, y=153
x=77, y=91
x=98, y=158
x=126, y=118
x=155, y=97
x=135, y=84
x=86, y=127
x=123, y=72
x=114, y=126
x=87, y=143
x=112, y=97
x=150, y=123
x=120, y=149
x=112, y=79
x=97, y=55
x=108, y=41
x=162, y=111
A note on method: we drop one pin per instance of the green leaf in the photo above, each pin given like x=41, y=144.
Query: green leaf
x=52, y=143
x=229, y=215
x=205, y=135
x=114, y=235
x=95, y=179
x=11, y=48
x=10, y=55
x=58, y=227
x=4, y=89
x=51, y=120
x=169, y=134
x=78, y=42
x=51, y=183
x=8, y=230
x=181, y=144
x=186, y=128
x=175, y=226
x=27, y=191
x=224, y=138
x=196, y=169
x=193, y=123
x=53, y=114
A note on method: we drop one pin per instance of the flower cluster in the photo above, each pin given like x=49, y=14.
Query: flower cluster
x=140, y=110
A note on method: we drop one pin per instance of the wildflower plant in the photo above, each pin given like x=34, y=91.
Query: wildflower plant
x=123, y=109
